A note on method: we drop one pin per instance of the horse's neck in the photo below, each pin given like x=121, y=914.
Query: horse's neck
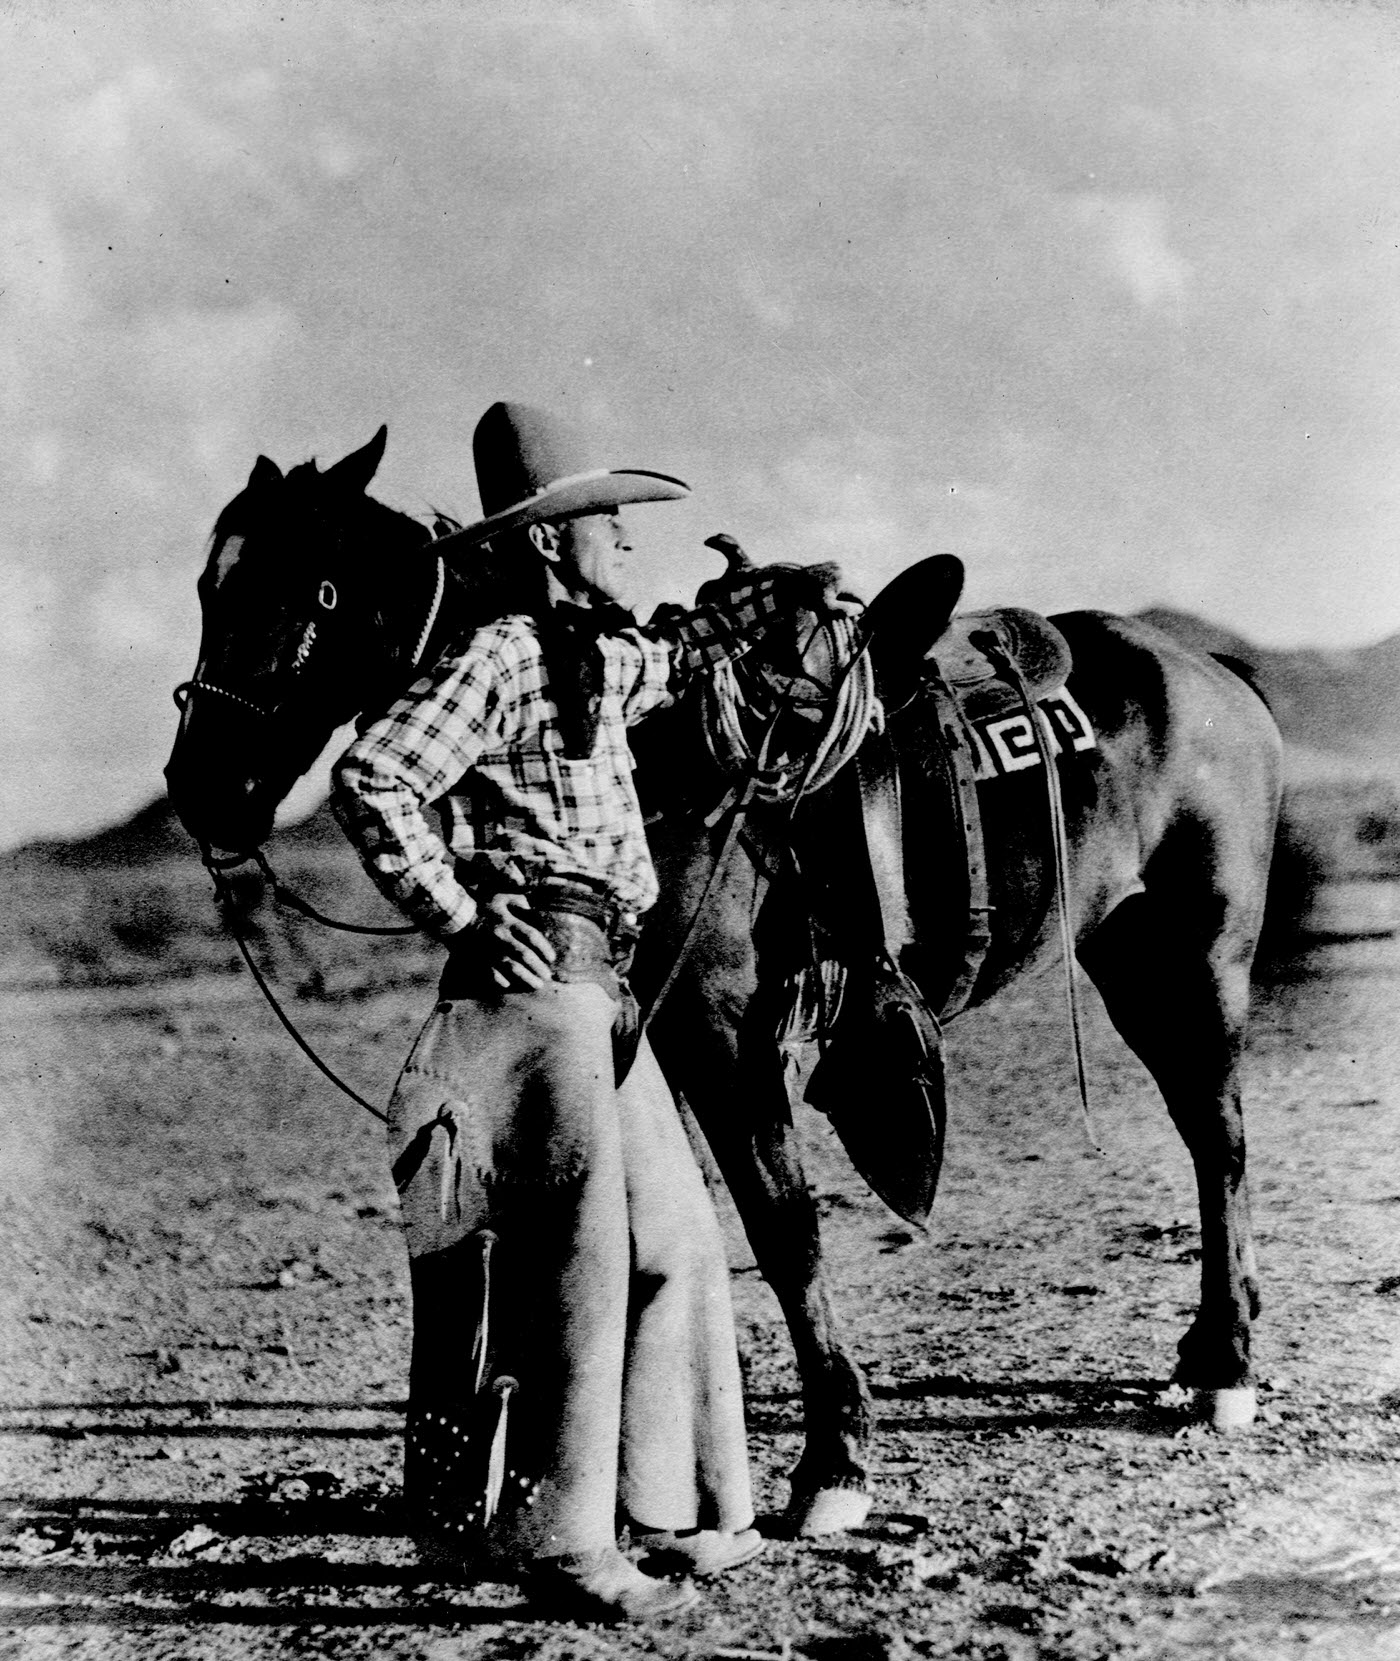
x=411, y=609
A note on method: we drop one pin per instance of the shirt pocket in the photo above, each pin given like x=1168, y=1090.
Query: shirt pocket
x=581, y=795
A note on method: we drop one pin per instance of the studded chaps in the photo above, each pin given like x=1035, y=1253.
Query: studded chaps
x=573, y=1349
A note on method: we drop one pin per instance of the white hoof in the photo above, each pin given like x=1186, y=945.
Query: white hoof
x=1227, y=1409
x=830, y=1511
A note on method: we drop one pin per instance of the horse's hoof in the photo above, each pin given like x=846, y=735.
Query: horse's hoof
x=829, y=1511
x=1228, y=1409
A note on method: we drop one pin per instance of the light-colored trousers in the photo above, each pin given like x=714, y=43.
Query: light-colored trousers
x=608, y=1284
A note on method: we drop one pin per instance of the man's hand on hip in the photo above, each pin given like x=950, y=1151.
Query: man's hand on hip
x=519, y=955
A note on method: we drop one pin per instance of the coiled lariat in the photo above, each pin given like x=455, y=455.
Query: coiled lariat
x=734, y=709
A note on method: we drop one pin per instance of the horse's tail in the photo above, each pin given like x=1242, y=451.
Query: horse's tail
x=1245, y=672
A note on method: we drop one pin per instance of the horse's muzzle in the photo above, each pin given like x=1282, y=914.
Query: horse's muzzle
x=220, y=810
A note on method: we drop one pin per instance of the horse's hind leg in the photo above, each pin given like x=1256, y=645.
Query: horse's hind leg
x=1181, y=1002
x=736, y=1091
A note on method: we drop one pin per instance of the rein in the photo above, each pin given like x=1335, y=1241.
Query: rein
x=294, y=902
x=223, y=891
x=218, y=868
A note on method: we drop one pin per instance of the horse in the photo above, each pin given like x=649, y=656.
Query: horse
x=319, y=602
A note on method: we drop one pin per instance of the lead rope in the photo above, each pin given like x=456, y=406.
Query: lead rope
x=854, y=708
x=294, y=902
x=223, y=891
x=284, y=896
x=1044, y=740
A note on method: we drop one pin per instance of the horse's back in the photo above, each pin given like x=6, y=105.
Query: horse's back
x=1192, y=746
x=1181, y=702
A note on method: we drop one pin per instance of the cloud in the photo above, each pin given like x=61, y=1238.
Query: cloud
x=768, y=295
x=135, y=613
x=46, y=454
x=1132, y=235
x=879, y=279
x=151, y=126
x=36, y=277
x=210, y=360
x=337, y=154
x=28, y=601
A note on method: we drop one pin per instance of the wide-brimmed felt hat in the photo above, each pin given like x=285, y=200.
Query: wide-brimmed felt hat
x=531, y=467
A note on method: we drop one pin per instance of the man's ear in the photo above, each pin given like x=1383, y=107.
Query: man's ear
x=544, y=539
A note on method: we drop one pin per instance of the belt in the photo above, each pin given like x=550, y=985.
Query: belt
x=593, y=940
x=578, y=898
x=592, y=936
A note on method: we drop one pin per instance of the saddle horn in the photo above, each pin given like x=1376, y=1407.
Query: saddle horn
x=735, y=557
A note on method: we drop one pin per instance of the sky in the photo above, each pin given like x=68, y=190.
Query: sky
x=1102, y=298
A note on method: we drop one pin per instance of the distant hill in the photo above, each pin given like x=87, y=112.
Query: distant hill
x=1339, y=712
x=132, y=903
x=1337, y=703
x=151, y=834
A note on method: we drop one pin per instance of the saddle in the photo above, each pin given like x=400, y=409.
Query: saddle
x=910, y=624
x=957, y=691
x=970, y=655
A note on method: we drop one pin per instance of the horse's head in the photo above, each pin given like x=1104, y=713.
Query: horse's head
x=313, y=599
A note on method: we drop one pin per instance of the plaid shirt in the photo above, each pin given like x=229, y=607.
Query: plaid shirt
x=479, y=739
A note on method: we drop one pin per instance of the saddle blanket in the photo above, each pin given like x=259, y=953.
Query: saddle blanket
x=1005, y=743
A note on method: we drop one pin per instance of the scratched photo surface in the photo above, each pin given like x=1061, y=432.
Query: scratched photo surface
x=1103, y=300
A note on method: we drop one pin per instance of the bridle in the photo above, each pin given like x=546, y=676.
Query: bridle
x=219, y=867
x=183, y=692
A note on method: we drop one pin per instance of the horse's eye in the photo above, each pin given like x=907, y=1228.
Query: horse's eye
x=327, y=595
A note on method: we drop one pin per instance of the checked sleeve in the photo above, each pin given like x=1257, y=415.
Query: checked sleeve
x=400, y=764
x=677, y=645
x=722, y=629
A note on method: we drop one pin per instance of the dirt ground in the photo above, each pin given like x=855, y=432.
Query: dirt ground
x=205, y=1339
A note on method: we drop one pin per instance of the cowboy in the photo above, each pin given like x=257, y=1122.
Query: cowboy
x=574, y=1361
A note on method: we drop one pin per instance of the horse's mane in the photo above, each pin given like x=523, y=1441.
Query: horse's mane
x=276, y=493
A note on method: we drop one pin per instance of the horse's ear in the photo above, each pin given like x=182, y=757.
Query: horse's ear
x=264, y=473
x=353, y=472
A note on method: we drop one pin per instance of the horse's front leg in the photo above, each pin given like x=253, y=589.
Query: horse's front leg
x=1182, y=1008
x=735, y=1089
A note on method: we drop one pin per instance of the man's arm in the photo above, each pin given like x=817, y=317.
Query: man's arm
x=679, y=644
x=385, y=782
x=383, y=787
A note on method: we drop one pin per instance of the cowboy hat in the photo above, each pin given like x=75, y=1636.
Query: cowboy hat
x=532, y=467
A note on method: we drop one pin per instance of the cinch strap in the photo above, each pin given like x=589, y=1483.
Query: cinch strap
x=1044, y=743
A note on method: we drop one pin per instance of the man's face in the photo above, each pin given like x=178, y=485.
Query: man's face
x=595, y=550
